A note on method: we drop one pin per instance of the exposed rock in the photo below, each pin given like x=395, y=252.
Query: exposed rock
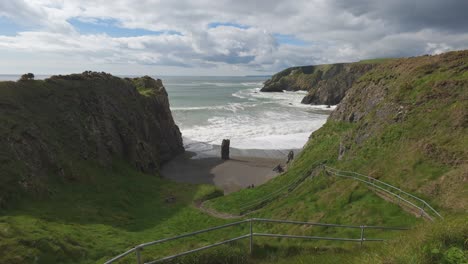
x=381, y=99
x=48, y=126
x=225, y=149
x=332, y=87
x=327, y=84
x=278, y=169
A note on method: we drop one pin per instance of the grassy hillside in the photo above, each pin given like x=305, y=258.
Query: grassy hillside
x=406, y=123
x=91, y=221
x=46, y=126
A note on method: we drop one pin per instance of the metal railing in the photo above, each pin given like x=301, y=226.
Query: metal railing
x=415, y=202
x=361, y=239
x=292, y=185
x=412, y=201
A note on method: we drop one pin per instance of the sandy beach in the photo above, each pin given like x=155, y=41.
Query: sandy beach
x=230, y=175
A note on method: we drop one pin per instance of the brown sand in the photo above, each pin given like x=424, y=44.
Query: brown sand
x=230, y=175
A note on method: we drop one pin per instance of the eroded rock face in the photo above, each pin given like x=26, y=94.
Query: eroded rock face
x=332, y=87
x=46, y=127
x=225, y=149
x=327, y=84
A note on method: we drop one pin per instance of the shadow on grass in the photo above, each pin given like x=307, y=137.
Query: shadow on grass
x=117, y=196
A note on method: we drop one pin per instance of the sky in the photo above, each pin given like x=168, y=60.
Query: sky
x=221, y=37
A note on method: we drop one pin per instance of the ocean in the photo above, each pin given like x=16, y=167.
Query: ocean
x=210, y=109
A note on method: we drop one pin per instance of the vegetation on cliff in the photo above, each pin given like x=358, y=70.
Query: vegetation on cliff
x=405, y=121
x=327, y=84
x=47, y=126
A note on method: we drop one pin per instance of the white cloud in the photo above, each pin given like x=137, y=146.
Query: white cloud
x=333, y=31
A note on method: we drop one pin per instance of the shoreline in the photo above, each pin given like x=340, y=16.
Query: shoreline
x=202, y=150
x=239, y=172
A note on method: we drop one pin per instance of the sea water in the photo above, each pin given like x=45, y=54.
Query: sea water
x=210, y=109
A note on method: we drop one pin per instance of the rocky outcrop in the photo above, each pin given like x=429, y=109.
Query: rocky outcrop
x=393, y=94
x=404, y=122
x=48, y=127
x=293, y=79
x=327, y=84
x=334, y=83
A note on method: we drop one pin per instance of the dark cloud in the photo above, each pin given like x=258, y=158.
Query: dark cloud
x=412, y=15
x=274, y=34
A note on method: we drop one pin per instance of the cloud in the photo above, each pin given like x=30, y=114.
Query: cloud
x=224, y=36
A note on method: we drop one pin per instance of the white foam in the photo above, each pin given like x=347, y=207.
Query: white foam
x=265, y=121
x=254, y=84
x=286, y=98
x=233, y=107
x=272, y=130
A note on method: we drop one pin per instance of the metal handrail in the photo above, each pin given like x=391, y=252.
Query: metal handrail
x=384, y=183
x=191, y=234
x=251, y=235
x=296, y=181
x=367, y=179
x=389, y=192
x=198, y=249
x=372, y=181
x=272, y=195
x=401, y=191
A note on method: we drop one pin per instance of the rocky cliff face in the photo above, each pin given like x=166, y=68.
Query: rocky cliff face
x=48, y=126
x=335, y=82
x=407, y=121
x=327, y=84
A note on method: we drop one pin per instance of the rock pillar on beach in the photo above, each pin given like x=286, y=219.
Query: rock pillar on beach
x=225, y=149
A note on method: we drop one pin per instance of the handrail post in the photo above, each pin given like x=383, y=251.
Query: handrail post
x=399, y=196
x=362, y=235
x=251, y=236
x=138, y=254
x=422, y=209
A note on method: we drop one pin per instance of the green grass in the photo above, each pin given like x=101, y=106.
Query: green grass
x=307, y=161
x=429, y=243
x=415, y=137
x=375, y=61
x=422, y=150
x=88, y=222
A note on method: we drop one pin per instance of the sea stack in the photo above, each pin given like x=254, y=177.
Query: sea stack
x=225, y=149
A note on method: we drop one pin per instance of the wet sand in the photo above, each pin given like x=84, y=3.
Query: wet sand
x=230, y=175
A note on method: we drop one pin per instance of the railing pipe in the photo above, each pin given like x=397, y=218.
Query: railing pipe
x=251, y=236
x=191, y=234
x=391, y=193
x=120, y=256
x=316, y=237
x=198, y=249
x=386, y=184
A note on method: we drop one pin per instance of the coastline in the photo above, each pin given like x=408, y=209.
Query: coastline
x=262, y=127
x=246, y=167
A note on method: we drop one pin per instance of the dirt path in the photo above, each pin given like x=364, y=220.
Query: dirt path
x=214, y=213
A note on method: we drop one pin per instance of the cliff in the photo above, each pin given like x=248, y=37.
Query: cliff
x=327, y=84
x=49, y=126
x=404, y=122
